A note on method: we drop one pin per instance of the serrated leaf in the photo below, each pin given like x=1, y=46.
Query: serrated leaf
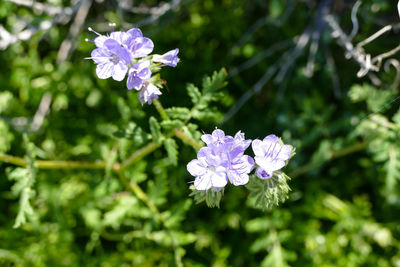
x=157, y=190
x=215, y=82
x=179, y=113
x=132, y=132
x=155, y=130
x=211, y=114
x=171, y=124
x=171, y=147
x=193, y=92
x=269, y=192
x=212, y=197
x=124, y=109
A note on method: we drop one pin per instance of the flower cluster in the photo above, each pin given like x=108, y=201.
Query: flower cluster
x=223, y=159
x=121, y=54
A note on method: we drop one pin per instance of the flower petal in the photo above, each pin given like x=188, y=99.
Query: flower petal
x=120, y=71
x=203, y=182
x=257, y=147
x=134, y=82
x=135, y=33
x=195, y=168
x=218, y=179
x=105, y=71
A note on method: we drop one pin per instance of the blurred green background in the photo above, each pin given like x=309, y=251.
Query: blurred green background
x=287, y=75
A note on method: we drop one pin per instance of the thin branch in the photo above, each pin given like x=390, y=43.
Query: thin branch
x=374, y=36
x=49, y=9
x=68, y=45
x=354, y=19
x=41, y=112
x=7, y=38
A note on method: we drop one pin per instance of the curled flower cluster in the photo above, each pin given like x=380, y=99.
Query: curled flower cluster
x=121, y=54
x=223, y=159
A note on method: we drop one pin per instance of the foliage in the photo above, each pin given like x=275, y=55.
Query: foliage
x=126, y=198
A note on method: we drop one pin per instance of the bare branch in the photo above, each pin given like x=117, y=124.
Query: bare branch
x=70, y=42
x=354, y=19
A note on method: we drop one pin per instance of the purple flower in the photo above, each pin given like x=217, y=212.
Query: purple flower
x=112, y=60
x=270, y=155
x=138, y=45
x=138, y=73
x=221, y=160
x=148, y=93
x=120, y=37
x=209, y=171
x=170, y=58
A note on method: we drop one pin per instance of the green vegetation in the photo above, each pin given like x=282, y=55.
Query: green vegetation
x=90, y=177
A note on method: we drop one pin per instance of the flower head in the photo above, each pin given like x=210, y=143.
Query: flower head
x=119, y=36
x=270, y=155
x=138, y=73
x=119, y=53
x=138, y=45
x=148, y=93
x=221, y=160
x=170, y=58
x=112, y=60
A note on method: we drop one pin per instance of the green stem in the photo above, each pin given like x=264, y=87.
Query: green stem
x=56, y=164
x=160, y=110
x=144, y=151
x=186, y=139
x=177, y=132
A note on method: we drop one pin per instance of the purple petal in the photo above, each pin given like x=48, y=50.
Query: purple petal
x=207, y=138
x=144, y=74
x=141, y=65
x=271, y=138
x=105, y=71
x=263, y=174
x=148, y=93
x=134, y=82
x=218, y=179
x=120, y=37
x=257, y=146
x=120, y=71
x=170, y=58
x=123, y=55
x=270, y=166
x=111, y=44
x=285, y=152
x=141, y=47
x=203, y=182
x=238, y=179
x=100, y=56
x=99, y=41
x=135, y=33
x=195, y=168
x=218, y=134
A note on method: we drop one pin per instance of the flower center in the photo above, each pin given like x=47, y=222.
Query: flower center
x=114, y=59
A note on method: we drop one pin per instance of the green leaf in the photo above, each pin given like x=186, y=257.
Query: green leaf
x=212, y=197
x=193, y=92
x=171, y=124
x=171, y=147
x=124, y=109
x=215, y=82
x=208, y=114
x=132, y=132
x=155, y=130
x=179, y=113
x=270, y=192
